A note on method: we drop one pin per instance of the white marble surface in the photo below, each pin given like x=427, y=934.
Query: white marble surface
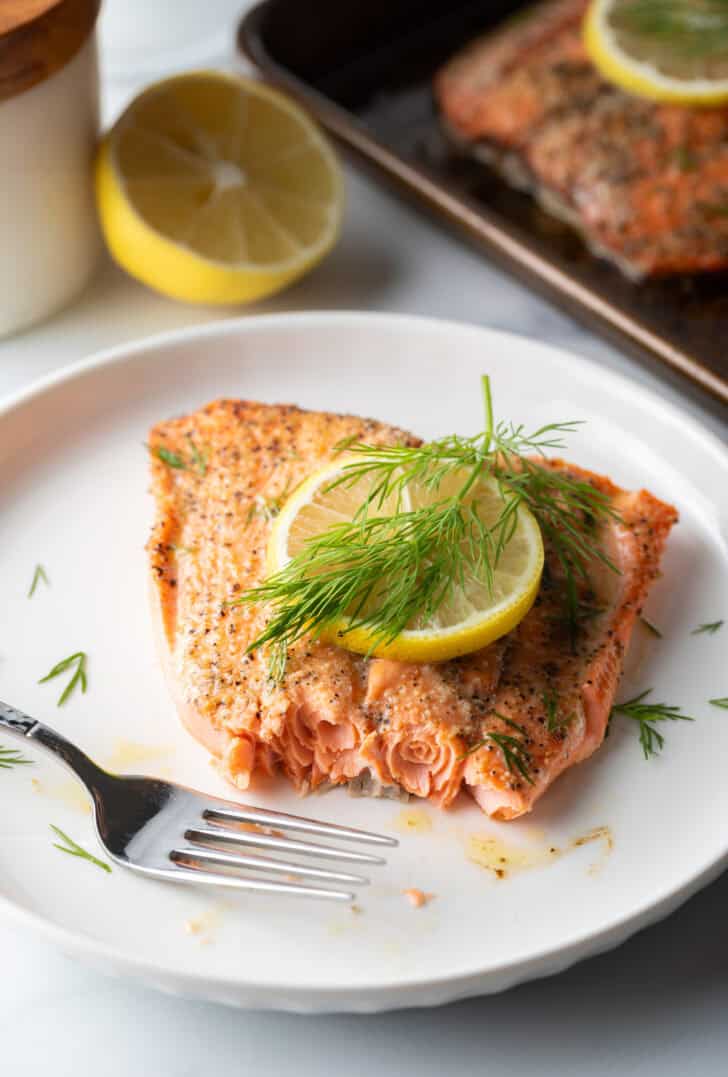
x=655, y=1006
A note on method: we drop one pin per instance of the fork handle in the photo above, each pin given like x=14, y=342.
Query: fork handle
x=22, y=725
x=15, y=721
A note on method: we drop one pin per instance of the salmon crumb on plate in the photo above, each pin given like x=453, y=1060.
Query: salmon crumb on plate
x=417, y=898
x=339, y=718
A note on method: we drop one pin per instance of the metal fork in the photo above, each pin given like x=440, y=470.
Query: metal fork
x=170, y=832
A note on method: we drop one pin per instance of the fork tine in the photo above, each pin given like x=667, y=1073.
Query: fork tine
x=244, y=813
x=206, y=855
x=186, y=871
x=220, y=833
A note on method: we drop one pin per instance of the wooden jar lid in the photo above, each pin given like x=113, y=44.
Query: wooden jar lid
x=38, y=37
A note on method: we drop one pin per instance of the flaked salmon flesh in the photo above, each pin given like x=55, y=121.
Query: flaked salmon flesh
x=338, y=717
x=645, y=183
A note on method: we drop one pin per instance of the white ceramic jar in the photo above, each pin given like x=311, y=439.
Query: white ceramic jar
x=49, y=236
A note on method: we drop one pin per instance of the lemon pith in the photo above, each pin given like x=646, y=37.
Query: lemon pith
x=217, y=190
x=310, y=510
x=638, y=76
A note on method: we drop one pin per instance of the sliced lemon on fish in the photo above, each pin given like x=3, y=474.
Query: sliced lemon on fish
x=674, y=51
x=217, y=189
x=472, y=616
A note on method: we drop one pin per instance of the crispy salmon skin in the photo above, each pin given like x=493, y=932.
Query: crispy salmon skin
x=646, y=184
x=218, y=478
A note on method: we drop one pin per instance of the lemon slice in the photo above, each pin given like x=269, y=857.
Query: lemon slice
x=668, y=50
x=217, y=189
x=472, y=617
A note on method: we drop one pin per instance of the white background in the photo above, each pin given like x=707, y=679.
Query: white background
x=658, y=1005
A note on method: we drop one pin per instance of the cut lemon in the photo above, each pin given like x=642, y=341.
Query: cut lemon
x=217, y=189
x=472, y=617
x=668, y=50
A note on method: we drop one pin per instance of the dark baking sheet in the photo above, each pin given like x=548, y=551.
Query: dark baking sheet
x=365, y=70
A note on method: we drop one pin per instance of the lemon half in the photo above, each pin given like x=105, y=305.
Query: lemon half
x=472, y=617
x=217, y=189
x=680, y=61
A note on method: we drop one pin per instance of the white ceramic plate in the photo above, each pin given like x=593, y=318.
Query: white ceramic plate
x=73, y=496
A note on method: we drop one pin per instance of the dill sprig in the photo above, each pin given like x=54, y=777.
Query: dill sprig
x=171, y=459
x=175, y=460
x=711, y=628
x=651, y=628
x=682, y=29
x=516, y=756
x=74, y=849
x=10, y=757
x=577, y=610
x=647, y=714
x=267, y=508
x=393, y=565
x=79, y=674
x=684, y=158
x=554, y=722
x=38, y=575
x=199, y=458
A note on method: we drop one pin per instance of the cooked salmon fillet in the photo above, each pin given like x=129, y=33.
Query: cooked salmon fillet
x=646, y=184
x=218, y=476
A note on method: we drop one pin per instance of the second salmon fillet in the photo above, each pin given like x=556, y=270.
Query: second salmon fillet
x=218, y=478
x=646, y=184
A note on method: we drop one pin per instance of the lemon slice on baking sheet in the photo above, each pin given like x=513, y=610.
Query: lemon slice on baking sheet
x=674, y=51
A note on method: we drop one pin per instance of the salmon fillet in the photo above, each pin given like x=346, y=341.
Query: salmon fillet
x=646, y=184
x=339, y=717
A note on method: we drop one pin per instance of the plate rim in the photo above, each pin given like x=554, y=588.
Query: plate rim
x=563, y=354
x=370, y=996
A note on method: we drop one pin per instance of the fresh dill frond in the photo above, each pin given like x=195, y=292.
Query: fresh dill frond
x=79, y=674
x=10, y=757
x=646, y=715
x=553, y=721
x=384, y=572
x=577, y=609
x=267, y=508
x=711, y=628
x=171, y=459
x=684, y=158
x=199, y=458
x=516, y=756
x=345, y=443
x=687, y=32
x=722, y=702
x=38, y=575
x=650, y=627
x=197, y=461
x=74, y=849
x=550, y=703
